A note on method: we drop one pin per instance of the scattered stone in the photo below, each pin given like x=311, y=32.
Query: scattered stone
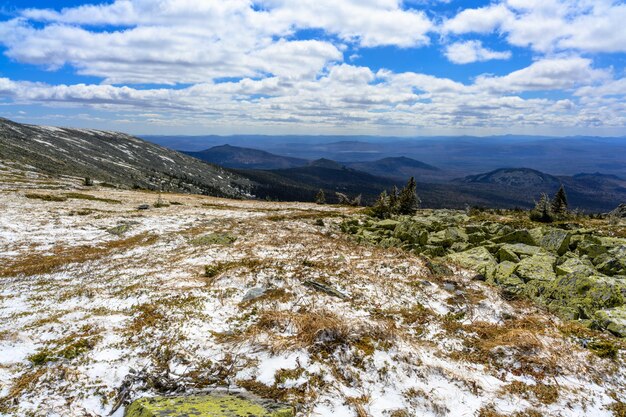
x=119, y=230
x=521, y=249
x=504, y=270
x=324, y=288
x=144, y=207
x=212, y=405
x=214, y=239
x=253, y=294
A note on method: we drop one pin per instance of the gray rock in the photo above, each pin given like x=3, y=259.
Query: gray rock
x=556, y=241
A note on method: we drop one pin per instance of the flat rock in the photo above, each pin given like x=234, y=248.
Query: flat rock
x=478, y=259
x=213, y=405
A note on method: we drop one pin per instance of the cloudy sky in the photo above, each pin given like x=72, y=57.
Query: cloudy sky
x=391, y=67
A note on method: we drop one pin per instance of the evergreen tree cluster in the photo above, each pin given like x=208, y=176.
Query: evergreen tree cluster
x=546, y=210
x=395, y=202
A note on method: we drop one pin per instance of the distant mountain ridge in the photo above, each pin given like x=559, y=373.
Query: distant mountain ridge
x=237, y=157
x=516, y=177
x=116, y=158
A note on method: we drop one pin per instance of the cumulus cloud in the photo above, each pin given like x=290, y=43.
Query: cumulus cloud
x=548, y=25
x=256, y=64
x=472, y=51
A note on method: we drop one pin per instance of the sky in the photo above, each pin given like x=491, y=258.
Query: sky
x=376, y=67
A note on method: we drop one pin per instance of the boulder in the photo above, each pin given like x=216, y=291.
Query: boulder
x=577, y=265
x=440, y=239
x=387, y=224
x=213, y=405
x=556, y=241
x=591, y=249
x=537, y=234
x=613, y=319
x=477, y=237
x=505, y=254
x=521, y=249
x=504, y=270
x=538, y=267
x=585, y=293
x=518, y=236
x=411, y=232
x=478, y=259
x=456, y=234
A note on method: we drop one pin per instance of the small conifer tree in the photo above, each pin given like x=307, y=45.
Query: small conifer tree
x=543, y=210
x=559, y=202
x=408, y=201
x=381, y=207
x=320, y=198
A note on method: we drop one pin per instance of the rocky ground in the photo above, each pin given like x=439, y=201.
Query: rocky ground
x=102, y=303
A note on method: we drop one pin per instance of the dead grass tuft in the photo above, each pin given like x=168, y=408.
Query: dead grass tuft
x=36, y=264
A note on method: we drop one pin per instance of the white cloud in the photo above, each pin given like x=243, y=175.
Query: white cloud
x=472, y=51
x=546, y=74
x=549, y=25
x=349, y=95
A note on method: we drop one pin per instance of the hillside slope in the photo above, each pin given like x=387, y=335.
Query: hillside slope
x=101, y=304
x=114, y=158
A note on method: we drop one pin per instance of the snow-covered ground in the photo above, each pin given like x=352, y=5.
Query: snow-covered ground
x=88, y=308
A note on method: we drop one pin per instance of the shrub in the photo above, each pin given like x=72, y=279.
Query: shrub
x=320, y=198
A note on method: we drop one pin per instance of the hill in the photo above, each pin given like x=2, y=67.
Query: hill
x=114, y=158
x=514, y=177
x=237, y=157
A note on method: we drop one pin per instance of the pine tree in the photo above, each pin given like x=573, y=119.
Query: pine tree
x=543, y=210
x=559, y=202
x=408, y=201
x=393, y=200
x=320, y=198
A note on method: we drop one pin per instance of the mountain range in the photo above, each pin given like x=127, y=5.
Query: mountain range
x=235, y=171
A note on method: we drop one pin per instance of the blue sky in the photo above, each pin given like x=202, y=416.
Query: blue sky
x=414, y=67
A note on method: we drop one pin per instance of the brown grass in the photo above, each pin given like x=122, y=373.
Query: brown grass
x=545, y=394
x=35, y=264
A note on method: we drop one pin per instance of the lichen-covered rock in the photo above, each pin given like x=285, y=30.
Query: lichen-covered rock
x=613, y=319
x=456, y=234
x=505, y=254
x=387, y=224
x=572, y=265
x=411, y=232
x=537, y=267
x=591, y=249
x=521, y=249
x=556, y=241
x=215, y=405
x=586, y=293
x=478, y=259
x=504, y=270
x=518, y=236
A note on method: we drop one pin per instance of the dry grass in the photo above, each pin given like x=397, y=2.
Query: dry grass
x=545, y=394
x=36, y=264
